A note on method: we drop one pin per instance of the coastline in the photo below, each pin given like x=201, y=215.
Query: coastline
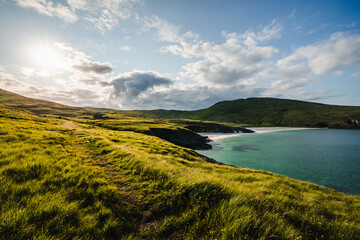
x=220, y=136
x=277, y=129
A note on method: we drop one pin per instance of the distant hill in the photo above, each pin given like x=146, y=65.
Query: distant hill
x=269, y=112
x=9, y=99
x=246, y=112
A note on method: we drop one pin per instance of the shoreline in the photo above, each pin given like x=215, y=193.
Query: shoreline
x=220, y=136
x=277, y=129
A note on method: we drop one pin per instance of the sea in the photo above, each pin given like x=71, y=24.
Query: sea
x=328, y=157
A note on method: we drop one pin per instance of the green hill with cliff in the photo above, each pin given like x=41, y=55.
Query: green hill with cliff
x=269, y=112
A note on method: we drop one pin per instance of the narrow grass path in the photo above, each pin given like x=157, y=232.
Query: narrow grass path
x=114, y=175
x=131, y=197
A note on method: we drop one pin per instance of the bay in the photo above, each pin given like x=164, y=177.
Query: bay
x=329, y=157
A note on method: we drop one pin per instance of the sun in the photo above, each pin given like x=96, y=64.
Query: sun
x=47, y=58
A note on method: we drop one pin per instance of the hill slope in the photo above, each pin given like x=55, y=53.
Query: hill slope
x=179, y=132
x=106, y=179
x=38, y=106
x=268, y=112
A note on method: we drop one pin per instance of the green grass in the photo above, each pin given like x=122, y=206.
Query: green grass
x=86, y=179
x=49, y=188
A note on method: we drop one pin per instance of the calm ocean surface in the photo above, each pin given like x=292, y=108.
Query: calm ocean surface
x=328, y=157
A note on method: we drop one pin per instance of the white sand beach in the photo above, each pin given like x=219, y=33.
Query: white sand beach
x=219, y=136
x=275, y=129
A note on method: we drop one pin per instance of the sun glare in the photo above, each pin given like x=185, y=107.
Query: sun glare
x=47, y=58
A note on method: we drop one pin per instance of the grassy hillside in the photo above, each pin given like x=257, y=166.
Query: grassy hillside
x=180, y=132
x=13, y=100
x=267, y=112
x=109, y=179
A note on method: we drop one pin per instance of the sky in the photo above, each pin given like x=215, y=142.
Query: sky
x=180, y=54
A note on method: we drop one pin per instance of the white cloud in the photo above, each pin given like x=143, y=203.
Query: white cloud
x=166, y=31
x=355, y=74
x=282, y=86
x=49, y=8
x=4, y=74
x=74, y=97
x=339, y=72
x=307, y=95
x=286, y=77
x=123, y=9
x=10, y=84
x=339, y=51
x=23, y=88
x=103, y=14
x=300, y=69
x=126, y=48
x=292, y=14
x=76, y=60
x=105, y=21
x=236, y=61
x=218, y=73
x=270, y=31
x=27, y=72
x=78, y=4
x=251, y=38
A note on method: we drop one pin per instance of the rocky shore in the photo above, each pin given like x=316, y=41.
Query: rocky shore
x=182, y=137
x=189, y=138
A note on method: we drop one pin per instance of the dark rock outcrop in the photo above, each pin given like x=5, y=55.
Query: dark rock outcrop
x=211, y=160
x=182, y=137
x=188, y=137
x=353, y=122
x=100, y=116
x=349, y=124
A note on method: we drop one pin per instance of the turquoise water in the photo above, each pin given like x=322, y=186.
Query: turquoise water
x=328, y=157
